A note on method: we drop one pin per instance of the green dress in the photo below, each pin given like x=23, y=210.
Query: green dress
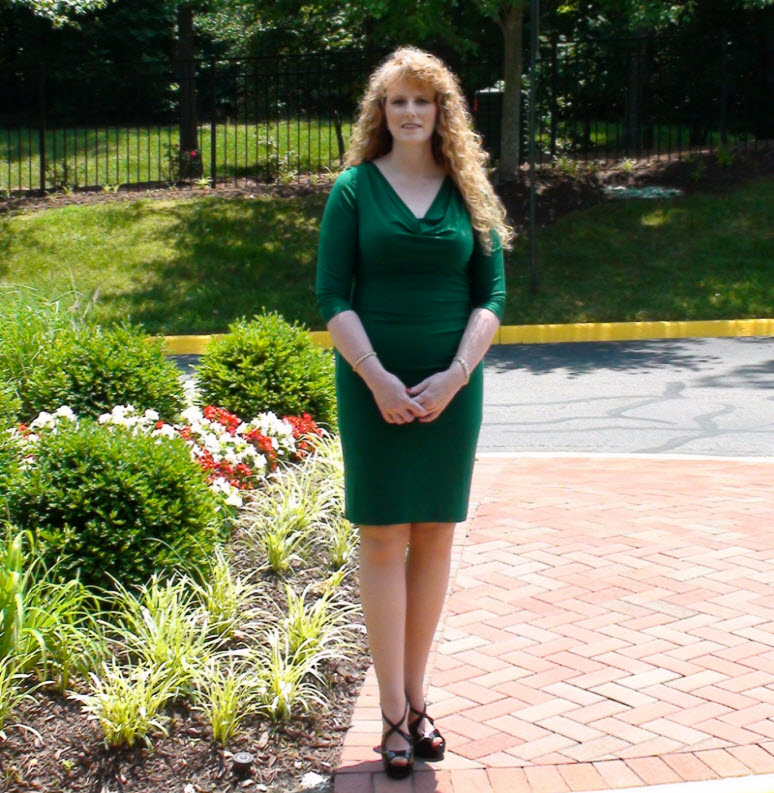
x=413, y=282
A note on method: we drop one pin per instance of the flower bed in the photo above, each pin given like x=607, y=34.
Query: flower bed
x=235, y=455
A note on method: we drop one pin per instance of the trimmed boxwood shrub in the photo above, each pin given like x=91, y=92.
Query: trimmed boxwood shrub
x=91, y=369
x=109, y=502
x=268, y=364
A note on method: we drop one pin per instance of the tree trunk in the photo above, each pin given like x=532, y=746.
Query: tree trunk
x=511, y=24
x=190, y=159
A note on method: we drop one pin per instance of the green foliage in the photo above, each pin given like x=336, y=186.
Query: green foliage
x=286, y=678
x=45, y=626
x=724, y=156
x=93, y=369
x=126, y=702
x=113, y=504
x=268, y=364
x=10, y=405
x=567, y=165
x=225, y=695
x=60, y=12
x=225, y=597
x=314, y=625
x=11, y=692
x=30, y=323
x=164, y=628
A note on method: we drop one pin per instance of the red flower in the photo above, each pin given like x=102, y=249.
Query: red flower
x=222, y=417
x=303, y=427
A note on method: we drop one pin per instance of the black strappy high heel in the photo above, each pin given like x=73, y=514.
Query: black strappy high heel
x=401, y=770
x=425, y=746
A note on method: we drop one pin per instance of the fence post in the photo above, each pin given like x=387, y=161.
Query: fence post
x=533, y=58
x=724, y=87
x=42, y=124
x=554, y=48
x=213, y=125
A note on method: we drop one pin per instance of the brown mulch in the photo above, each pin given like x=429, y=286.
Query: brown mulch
x=59, y=750
x=557, y=193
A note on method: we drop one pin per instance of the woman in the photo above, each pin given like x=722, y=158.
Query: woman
x=410, y=283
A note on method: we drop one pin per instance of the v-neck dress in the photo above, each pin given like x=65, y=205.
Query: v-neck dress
x=413, y=282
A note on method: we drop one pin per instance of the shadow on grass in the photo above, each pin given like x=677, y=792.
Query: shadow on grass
x=230, y=259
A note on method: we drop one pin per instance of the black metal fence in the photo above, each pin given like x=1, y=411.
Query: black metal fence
x=274, y=118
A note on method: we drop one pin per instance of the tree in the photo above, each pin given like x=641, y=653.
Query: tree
x=58, y=12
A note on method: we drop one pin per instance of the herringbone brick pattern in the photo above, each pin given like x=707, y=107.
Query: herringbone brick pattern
x=610, y=624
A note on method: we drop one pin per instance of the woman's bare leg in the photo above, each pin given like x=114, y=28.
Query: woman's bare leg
x=427, y=578
x=383, y=595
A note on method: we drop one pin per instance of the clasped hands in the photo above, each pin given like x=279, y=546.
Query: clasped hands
x=424, y=401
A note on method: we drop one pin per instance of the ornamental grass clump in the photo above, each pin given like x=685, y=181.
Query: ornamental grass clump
x=46, y=627
x=267, y=364
x=279, y=523
x=127, y=701
x=315, y=626
x=286, y=679
x=12, y=690
x=91, y=369
x=226, y=693
x=115, y=505
x=298, y=510
x=227, y=600
x=29, y=325
x=10, y=405
x=163, y=627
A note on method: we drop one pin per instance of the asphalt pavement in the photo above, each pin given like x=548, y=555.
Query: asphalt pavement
x=688, y=396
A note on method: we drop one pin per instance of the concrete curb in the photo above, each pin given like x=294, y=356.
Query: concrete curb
x=551, y=334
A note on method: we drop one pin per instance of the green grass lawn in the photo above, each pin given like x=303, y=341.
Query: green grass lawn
x=192, y=266
x=123, y=155
x=698, y=257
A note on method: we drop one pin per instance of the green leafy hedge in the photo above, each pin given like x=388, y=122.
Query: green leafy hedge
x=268, y=364
x=91, y=369
x=111, y=503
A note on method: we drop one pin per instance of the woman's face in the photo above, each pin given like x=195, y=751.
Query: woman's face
x=410, y=111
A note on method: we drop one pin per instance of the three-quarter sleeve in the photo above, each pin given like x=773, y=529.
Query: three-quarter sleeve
x=337, y=248
x=487, y=276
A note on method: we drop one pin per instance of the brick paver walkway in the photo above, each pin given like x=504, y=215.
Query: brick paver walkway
x=610, y=624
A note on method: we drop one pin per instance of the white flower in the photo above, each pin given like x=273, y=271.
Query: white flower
x=165, y=431
x=66, y=413
x=43, y=420
x=151, y=415
x=234, y=500
x=192, y=415
x=211, y=442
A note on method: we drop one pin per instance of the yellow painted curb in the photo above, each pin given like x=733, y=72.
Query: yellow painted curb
x=633, y=331
x=548, y=334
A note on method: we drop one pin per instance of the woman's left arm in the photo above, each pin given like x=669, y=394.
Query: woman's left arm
x=487, y=283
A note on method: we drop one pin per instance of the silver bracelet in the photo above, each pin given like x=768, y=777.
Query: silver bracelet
x=463, y=363
x=361, y=359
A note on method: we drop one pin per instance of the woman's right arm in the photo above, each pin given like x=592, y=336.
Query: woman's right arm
x=337, y=255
